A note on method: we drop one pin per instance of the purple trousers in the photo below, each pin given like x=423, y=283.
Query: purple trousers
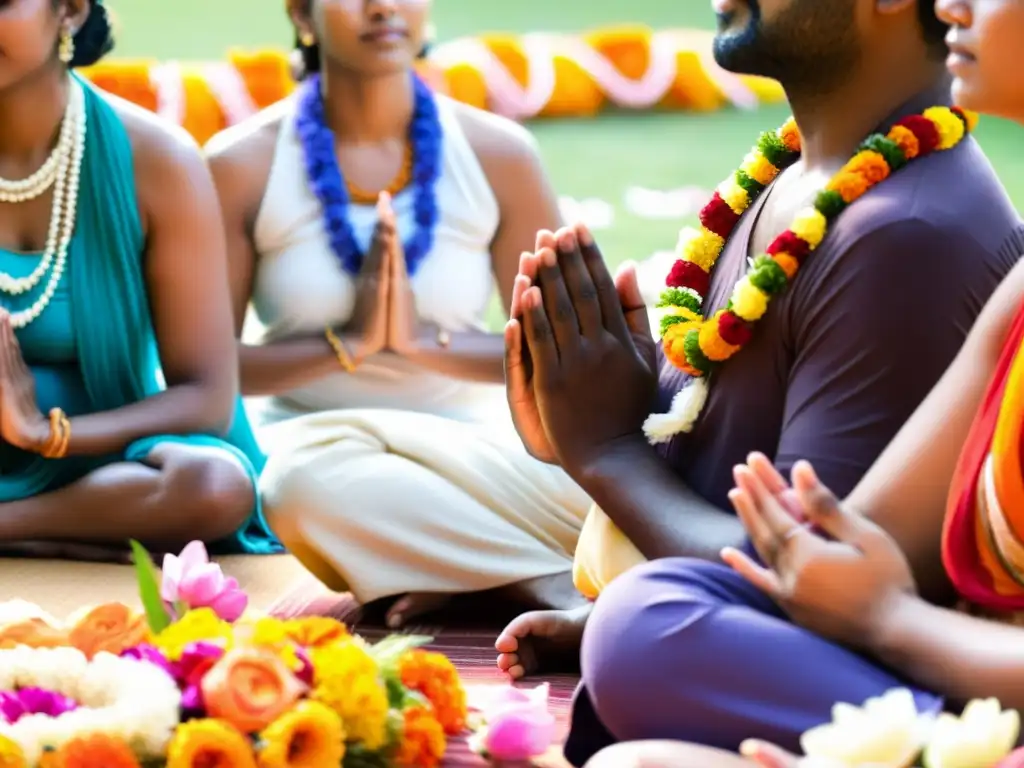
x=687, y=650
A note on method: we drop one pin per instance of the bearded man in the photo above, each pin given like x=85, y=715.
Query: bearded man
x=837, y=355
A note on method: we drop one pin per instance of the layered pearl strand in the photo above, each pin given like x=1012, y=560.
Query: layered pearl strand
x=62, y=171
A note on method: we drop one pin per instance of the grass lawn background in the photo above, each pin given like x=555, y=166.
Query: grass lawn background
x=586, y=158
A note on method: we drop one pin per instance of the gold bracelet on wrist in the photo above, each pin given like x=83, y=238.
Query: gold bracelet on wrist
x=344, y=358
x=56, y=445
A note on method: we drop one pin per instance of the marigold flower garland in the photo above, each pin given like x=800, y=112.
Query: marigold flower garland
x=697, y=344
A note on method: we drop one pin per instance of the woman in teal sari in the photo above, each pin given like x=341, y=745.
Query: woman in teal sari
x=119, y=408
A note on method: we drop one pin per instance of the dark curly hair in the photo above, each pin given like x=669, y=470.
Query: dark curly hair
x=933, y=28
x=96, y=37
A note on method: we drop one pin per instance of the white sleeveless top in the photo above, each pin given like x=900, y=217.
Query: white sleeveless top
x=300, y=287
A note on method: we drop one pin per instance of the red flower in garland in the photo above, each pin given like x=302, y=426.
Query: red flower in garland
x=925, y=131
x=718, y=217
x=733, y=329
x=789, y=243
x=686, y=274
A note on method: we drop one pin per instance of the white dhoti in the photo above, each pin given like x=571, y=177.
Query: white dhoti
x=384, y=502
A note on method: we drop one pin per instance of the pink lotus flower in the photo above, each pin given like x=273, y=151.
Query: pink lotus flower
x=191, y=578
x=516, y=724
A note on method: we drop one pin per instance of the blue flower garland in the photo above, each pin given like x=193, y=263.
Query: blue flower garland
x=328, y=184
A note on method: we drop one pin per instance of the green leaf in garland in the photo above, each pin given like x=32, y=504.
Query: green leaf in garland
x=694, y=354
x=768, y=276
x=772, y=148
x=679, y=297
x=829, y=203
x=149, y=588
x=751, y=185
x=668, y=321
x=888, y=149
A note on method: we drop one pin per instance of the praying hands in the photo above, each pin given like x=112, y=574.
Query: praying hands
x=581, y=371
x=21, y=422
x=384, y=318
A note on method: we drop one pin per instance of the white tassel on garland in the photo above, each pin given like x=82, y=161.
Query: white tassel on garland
x=682, y=415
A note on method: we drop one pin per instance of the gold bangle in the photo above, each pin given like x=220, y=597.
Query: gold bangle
x=344, y=358
x=56, y=445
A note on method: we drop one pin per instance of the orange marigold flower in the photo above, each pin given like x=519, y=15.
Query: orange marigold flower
x=423, y=742
x=713, y=345
x=869, y=164
x=850, y=186
x=905, y=139
x=434, y=676
x=790, y=135
x=788, y=263
x=96, y=749
x=674, y=345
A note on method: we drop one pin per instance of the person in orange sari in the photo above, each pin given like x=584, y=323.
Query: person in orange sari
x=915, y=580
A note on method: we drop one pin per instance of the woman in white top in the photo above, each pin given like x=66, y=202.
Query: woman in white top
x=394, y=470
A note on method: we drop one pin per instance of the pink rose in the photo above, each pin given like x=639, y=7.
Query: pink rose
x=191, y=578
x=517, y=724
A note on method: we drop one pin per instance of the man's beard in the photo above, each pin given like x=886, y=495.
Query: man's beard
x=809, y=46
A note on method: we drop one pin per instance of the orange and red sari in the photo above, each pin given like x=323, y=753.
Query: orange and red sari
x=983, y=536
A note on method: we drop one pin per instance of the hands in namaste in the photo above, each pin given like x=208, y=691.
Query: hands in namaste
x=842, y=583
x=21, y=423
x=580, y=364
x=384, y=316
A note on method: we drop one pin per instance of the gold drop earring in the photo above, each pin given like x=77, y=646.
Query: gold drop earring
x=66, y=47
x=307, y=39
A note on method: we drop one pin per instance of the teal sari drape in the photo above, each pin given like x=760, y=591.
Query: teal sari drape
x=114, y=337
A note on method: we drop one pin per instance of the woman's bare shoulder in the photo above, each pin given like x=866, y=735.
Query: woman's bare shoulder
x=492, y=136
x=507, y=152
x=167, y=161
x=251, y=140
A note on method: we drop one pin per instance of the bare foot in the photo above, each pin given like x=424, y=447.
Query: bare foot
x=412, y=606
x=542, y=640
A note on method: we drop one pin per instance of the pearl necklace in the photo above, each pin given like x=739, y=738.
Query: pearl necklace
x=38, y=183
x=66, y=181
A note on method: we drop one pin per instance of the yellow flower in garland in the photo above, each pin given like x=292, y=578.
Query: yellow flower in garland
x=869, y=164
x=201, y=743
x=11, y=755
x=735, y=196
x=810, y=226
x=310, y=736
x=201, y=624
x=759, y=169
x=348, y=680
x=950, y=127
x=701, y=246
x=714, y=347
x=748, y=302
